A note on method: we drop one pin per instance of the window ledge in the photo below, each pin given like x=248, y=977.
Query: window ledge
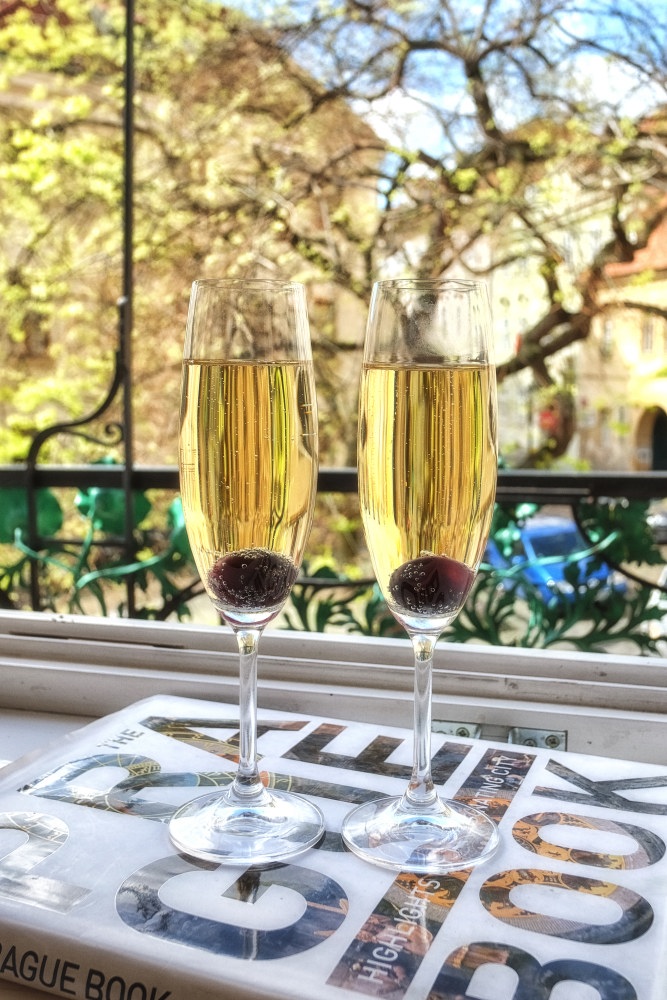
x=85, y=667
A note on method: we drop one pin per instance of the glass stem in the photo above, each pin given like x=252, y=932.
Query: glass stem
x=247, y=783
x=421, y=790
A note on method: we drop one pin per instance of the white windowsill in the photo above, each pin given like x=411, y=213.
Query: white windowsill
x=86, y=667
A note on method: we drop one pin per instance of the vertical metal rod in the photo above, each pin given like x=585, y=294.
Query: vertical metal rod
x=126, y=302
x=32, y=535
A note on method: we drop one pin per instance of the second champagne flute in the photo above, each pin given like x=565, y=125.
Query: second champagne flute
x=427, y=478
x=248, y=465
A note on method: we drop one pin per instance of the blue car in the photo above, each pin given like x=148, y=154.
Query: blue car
x=542, y=556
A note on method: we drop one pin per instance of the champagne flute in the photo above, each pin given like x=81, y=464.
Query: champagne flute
x=248, y=467
x=427, y=479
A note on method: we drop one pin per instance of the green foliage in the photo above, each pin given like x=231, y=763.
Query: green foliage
x=105, y=508
x=503, y=608
x=330, y=602
x=506, y=522
x=60, y=179
x=621, y=529
x=14, y=513
x=591, y=623
x=90, y=575
x=247, y=157
x=222, y=186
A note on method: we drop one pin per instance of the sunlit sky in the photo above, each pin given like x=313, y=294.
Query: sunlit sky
x=402, y=116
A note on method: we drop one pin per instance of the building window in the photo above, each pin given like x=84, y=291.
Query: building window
x=647, y=334
x=607, y=338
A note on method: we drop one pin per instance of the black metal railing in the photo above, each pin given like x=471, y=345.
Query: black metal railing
x=326, y=598
x=513, y=484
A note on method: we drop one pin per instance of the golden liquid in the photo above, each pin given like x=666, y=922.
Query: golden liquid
x=248, y=459
x=427, y=464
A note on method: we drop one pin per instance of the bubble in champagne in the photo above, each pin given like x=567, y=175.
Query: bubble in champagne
x=252, y=579
x=431, y=585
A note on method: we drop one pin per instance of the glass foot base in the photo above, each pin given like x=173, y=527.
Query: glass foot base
x=445, y=837
x=218, y=827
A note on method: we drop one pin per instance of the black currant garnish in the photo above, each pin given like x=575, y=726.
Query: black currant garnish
x=431, y=585
x=252, y=579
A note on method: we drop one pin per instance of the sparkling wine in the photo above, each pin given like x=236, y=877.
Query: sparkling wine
x=248, y=462
x=427, y=477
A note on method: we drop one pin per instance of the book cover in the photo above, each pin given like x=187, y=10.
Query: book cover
x=97, y=904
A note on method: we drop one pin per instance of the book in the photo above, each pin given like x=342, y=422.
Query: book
x=97, y=904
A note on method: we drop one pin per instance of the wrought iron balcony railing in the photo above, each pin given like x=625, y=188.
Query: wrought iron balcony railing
x=517, y=600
